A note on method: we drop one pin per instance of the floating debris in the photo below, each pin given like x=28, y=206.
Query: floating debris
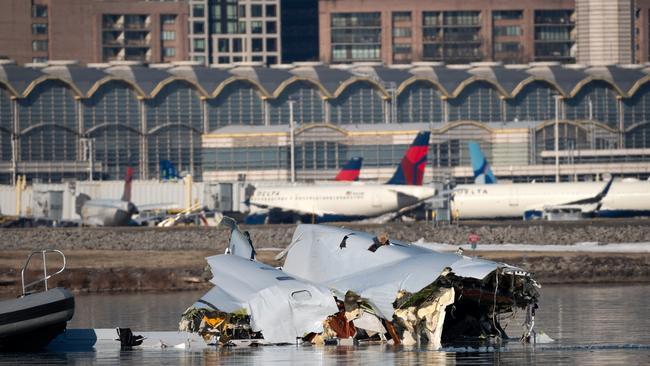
x=334, y=288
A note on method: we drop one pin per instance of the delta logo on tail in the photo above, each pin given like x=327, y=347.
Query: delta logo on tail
x=350, y=171
x=480, y=167
x=411, y=169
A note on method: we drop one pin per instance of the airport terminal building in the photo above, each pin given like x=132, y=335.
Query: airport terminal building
x=60, y=120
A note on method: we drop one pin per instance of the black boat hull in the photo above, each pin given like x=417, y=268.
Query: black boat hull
x=31, y=322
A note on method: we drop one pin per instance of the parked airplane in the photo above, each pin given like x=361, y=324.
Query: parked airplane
x=482, y=171
x=534, y=200
x=347, y=202
x=108, y=212
x=350, y=171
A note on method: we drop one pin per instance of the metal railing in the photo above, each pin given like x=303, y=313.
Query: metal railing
x=45, y=275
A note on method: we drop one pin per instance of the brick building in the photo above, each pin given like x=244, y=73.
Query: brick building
x=94, y=30
x=452, y=31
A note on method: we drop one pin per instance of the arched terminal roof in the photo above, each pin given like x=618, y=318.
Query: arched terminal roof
x=450, y=80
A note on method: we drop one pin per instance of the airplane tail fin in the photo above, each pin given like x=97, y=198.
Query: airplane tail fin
x=126, y=196
x=79, y=202
x=482, y=171
x=351, y=170
x=168, y=170
x=411, y=169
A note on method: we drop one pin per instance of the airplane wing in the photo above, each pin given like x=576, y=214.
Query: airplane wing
x=158, y=206
x=597, y=198
x=586, y=205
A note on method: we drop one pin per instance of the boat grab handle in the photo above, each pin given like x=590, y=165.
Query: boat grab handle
x=45, y=275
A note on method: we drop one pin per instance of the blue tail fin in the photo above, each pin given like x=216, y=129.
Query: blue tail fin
x=411, y=169
x=482, y=171
x=168, y=170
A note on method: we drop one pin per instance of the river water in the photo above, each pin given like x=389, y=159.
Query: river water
x=591, y=325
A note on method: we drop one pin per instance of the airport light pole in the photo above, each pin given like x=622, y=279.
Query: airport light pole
x=89, y=149
x=556, y=132
x=292, y=141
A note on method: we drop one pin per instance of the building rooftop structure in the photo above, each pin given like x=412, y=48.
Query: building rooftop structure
x=450, y=80
x=221, y=120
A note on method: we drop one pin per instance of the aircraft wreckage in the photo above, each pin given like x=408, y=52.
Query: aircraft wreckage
x=341, y=285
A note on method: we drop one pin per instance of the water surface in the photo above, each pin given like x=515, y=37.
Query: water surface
x=592, y=325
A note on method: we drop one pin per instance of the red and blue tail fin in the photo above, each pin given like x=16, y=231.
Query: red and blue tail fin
x=126, y=195
x=351, y=170
x=411, y=169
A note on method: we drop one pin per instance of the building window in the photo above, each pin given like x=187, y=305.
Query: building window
x=509, y=47
x=271, y=60
x=256, y=27
x=554, y=36
x=271, y=27
x=431, y=18
x=198, y=11
x=257, y=59
x=168, y=35
x=222, y=45
x=452, y=36
x=257, y=45
x=402, y=48
x=256, y=11
x=223, y=60
x=199, y=45
x=198, y=28
x=167, y=19
x=169, y=52
x=39, y=28
x=38, y=60
x=237, y=45
x=39, y=45
x=461, y=17
x=39, y=11
x=271, y=11
x=356, y=36
x=402, y=16
x=271, y=45
x=507, y=14
x=199, y=58
x=402, y=53
x=508, y=30
x=401, y=32
x=134, y=21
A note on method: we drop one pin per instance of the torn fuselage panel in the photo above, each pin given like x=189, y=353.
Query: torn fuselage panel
x=280, y=306
x=482, y=289
x=331, y=285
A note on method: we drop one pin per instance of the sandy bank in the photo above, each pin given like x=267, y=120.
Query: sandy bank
x=119, y=270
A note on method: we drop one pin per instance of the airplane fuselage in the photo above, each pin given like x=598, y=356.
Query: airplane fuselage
x=339, y=202
x=487, y=201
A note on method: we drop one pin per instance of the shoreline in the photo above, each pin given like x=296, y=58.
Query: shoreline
x=279, y=236
x=119, y=271
x=168, y=259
